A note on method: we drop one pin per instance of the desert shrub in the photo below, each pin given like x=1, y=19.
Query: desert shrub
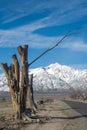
x=78, y=94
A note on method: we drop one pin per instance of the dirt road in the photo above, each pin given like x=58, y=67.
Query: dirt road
x=60, y=117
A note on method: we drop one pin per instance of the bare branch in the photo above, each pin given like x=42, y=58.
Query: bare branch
x=54, y=46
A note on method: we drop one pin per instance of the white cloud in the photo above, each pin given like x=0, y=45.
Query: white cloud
x=21, y=35
x=60, y=14
x=75, y=44
x=34, y=41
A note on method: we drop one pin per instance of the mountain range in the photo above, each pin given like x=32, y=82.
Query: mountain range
x=54, y=77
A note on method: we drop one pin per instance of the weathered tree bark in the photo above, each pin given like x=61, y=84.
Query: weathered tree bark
x=16, y=74
x=16, y=71
x=23, y=53
x=11, y=84
x=33, y=105
x=18, y=82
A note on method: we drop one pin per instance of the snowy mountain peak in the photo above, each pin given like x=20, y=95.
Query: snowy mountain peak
x=54, y=76
x=59, y=76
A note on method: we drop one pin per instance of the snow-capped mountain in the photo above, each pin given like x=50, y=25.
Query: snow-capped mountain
x=3, y=83
x=54, y=76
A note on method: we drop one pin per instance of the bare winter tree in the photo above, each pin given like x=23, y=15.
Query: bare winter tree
x=18, y=82
x=20, y=85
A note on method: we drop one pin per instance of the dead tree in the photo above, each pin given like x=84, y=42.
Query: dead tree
x=24, y=76
x=18, y=82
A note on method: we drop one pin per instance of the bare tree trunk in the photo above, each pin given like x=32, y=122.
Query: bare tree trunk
x=23, y=53
x=11, y=84
x=18, y=82
x=33, y=105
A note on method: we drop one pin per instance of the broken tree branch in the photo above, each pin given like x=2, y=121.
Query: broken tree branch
x=54, y=46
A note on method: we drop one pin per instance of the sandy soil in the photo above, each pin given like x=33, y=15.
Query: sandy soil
x=55, y=115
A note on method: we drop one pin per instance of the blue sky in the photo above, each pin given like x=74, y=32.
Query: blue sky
x=40, y=24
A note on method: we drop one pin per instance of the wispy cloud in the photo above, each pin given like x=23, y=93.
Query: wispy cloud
x=75, y=44
x=60, y=13
x=23, y=35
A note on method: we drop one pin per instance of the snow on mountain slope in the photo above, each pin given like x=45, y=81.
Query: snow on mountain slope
x=54, y=76
x=3, y=83
x=59, y=76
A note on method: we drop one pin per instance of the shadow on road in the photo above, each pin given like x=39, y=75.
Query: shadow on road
x=78, y=106
x=72, y=117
